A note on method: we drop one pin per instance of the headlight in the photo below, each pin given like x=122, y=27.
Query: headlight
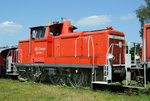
x=111, y=57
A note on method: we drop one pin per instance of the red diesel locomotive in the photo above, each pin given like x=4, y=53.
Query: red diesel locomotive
x=58, y=53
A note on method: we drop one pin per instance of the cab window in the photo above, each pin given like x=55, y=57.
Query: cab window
x=38, y=33
x=54, y=31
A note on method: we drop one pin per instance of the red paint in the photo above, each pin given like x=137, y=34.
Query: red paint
x=1, y=60
x=2, y=63
x=146, y=38
x=61, y=49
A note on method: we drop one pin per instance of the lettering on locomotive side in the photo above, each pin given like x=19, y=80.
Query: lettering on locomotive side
x=40, y=50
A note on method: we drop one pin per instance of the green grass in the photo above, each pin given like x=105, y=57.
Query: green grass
x=13, y=90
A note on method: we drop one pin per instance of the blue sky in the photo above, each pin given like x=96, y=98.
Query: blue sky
x=16, y=16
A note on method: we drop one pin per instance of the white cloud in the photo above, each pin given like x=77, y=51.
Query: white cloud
x=127, y=17
x=9, y=26
x=94, y=20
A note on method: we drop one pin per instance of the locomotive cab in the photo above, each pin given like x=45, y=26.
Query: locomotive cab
x=40, y=43
x=41, y=40
x=55, y=29
x=38, y=33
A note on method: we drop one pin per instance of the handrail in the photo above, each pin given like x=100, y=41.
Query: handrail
x=135, y=50
x=89, y=38
x=108, y=51
x=76, y=44
x=93, y=52
x=112, y=45
x=16, y=59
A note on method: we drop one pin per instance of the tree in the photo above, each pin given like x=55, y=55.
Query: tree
x=143, y=13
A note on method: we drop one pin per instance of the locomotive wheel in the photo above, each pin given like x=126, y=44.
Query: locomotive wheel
x=22, y=76
x=77, y=79
x=37, y=74
x=33, y=74
x=55, y=78
x=30, y=74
